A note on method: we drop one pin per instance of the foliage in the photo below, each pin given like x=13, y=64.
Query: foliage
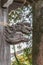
x=28, y=54
x=21, y=15
x=24, y=59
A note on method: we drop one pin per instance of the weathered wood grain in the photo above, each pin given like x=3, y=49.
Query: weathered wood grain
x=4, y=47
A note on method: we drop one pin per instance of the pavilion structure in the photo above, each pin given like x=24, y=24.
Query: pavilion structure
x=5, y=30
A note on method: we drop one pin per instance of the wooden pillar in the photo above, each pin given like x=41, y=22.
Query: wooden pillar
x=38, y=33
x=4, y=46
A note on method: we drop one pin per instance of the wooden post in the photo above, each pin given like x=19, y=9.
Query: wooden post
x=4, y=47
x=38, y=33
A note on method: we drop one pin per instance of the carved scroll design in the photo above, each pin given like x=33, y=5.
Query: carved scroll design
x=14, y=34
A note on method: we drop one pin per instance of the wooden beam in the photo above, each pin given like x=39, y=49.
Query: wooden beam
x=4, y=47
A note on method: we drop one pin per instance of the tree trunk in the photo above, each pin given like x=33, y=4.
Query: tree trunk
x=4, y=47
x=38, y=33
